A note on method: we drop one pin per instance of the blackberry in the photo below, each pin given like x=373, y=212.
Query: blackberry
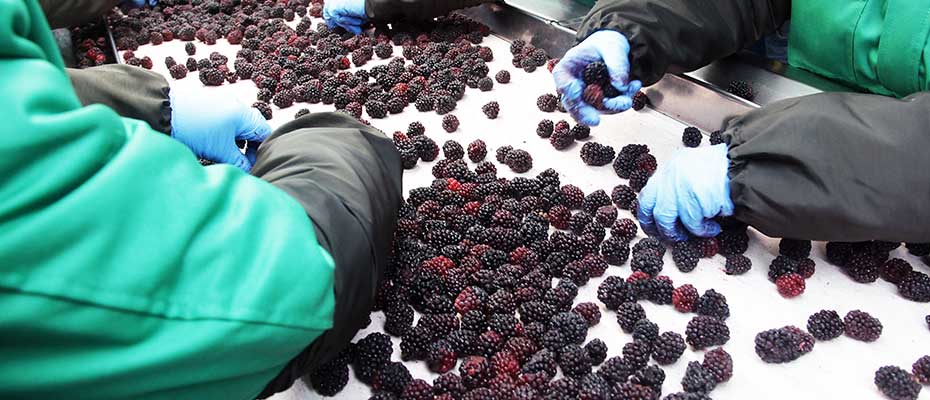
x=733, y=241
x=921, y=370
x=595, y=72
x=384, y=50
x=782, y=265
x=796, y=249
x=491, y=110
x=444, y=105
x=475, y=371
x=398, y=318
x=543, y=362
x=632, y=391
x=415, y=129
x=571, y=196
x=563, y=388
x=895, y=270
x=191, y=64
x=190, y=49
x=572, y=326
x=862, y=326
x=263, y=108
x=283, y=99
x=638, y=180
x=648, y=262
x=417, y=389
x=915, y=287
x=178, y=71
x=425, y=103
x=331, y=377
x=396, y=105
x=685, y=298
x=471, y=298
x=719, y=363
x=392, y=378
x=703, y=331
x=595, y=200
x=741, y=89
x=613, y=292
x=640, y=101
x=376, y=109
x=651, y=377
x=581, y=132
x=574, y=361
x=615, y=370
x=783, y=345
x=896, y=383
x=686, y=396
x=593, y=94
x=686, y=255
x=668, y=348
x=561, y=140
x=625, y=163
x=544, y=128
x=502, y=152
x=589, y=311
x=697, y=379
x=790, y=285
x=645, y=331
x=606, y=215
x=502, y=77
x=485, y=84
x=647, y=163
x=825, y=325
x=691, y=137
x=426, y=148
x=737, y=264
x=504, y=363
x=519, y=161
x=453, y=150
x=713, y=304
x=596, y=154
x=212, y=77
x=637, y=353
x=716, y=137
x=615, y=251
x=547, y=103
x=450, y=123
x=596, y=350
x=628, y=314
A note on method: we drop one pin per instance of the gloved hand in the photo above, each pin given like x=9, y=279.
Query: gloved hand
x=140, y=3
x=692, y=188
x=613, y=49
x=209, y=124
x=349, y=14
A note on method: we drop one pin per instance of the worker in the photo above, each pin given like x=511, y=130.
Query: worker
x=830, y=166
x=128, y=270
x=351, y=15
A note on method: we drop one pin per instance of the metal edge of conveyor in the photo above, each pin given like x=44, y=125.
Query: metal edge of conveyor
x=116, y=56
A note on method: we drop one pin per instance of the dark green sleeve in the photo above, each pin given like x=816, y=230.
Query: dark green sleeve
x=681, y=35
x=415, y=10
x=67, y=13
x=834, y=166
x=132, y=92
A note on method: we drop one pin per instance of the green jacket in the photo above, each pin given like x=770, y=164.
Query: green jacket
x=126, y=269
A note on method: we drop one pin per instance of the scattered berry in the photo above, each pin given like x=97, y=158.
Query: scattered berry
x=519, y=161
x=691, y=137
x=790, y=285
x=783, y=345
x=547, y=103
x=738, y=264
x=697, y=379
x=703, y=331
x=896, y=383
x=825, y=325
x=719, y=363
x=862, y=326
x=491, y=110
x=921, y=370
x=450, y=123
x=596, y=154
x=503, y=76
x=685, y=298
x=669, y=346
x=741, y=89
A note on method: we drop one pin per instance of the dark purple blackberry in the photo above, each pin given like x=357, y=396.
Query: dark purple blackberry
x=283, y=99
x=547, y=102
x=519, y=161
x=561, y=140
x=544, y=129
x=783, y=345
x=594, y=95
x=686, y=255
x=450, y=123
x=448, y=383
x=263, y=108
x=697, y=379
x=741, y=89
x=574, y=361
x=628, y=314
x=596, y=350
x=373, y=350
x=637, y=353
x=572, y=326
x=733, y=241
x=502, y=77
x=713, y=304
x=491, y=110
x=686, y=396
x=581, y=132
x=396, y=105
x=393, y=378
x=301, y=112
x=398, y=318
x=691, y=137
x=668, y=348
x=190, y=49
x=626, y=161
x=595, y=72
x=737, y=264
x=376, y=109
x=640, y=101
x=862, y=326
x=638, y=180
x=563, y=388
x=596, y=154
x=648, y=262
x=417, y=389
x=895, y=270
x=595, y=200
x=918, y=249
x=896, y=383
x=615, y=370
x=485, y=84
x=652, y=377
x=645, y=331
x=719, y=363
x=613, y=292
x=452, y=150
x=528, y=65
x=716, y=137
x=703, y=331
x=444, y=105
x=475, y=371
x=502, y=152
x=425, y=102
x=915, y=287
x=426, y=148
x=331, y=377
x=921, y=370
x=615, y=250
x=825, y=325
x=178, y=71
x=477, y=150
x=191, y=64
x=212, y=77
x=415, y=129
x=632, y=391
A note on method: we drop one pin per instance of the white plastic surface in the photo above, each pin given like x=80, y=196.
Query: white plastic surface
x=838, y=369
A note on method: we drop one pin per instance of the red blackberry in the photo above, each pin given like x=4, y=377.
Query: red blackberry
x=915, y=287
x=450, y=123
x=790, y=285
x=491, y=109
x=685, y=298
x=741, y=89
x=825, y=325
x=691, y=137
x=796, y=249
x=628, y=314
x=921, y=370
x=862, y=326
x=703, y=331
x=519, y=161
x=190, y=49
x=590, y=312
x=547, y=103
x=783, y=345
x=895, y=270
x=716, y=137
x=558, y=216
x=475, y=371
x=263, y=108
x=593, y=95
x=503, y=76
x=561, y=140
x=669, y=346
x=212, y=77
x=471, y=298
x=178, y=71
x=719, y=363
x=896, y=383
x=596, y=154
x=640, y=101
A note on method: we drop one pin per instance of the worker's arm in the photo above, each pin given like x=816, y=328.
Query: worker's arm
x=67, y=13
x=128, y=270
x=132, y=92
x=678, y=35
x=834, y=166
x=414, y=10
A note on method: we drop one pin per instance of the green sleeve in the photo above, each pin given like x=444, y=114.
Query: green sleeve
x=130, y=271
x=132, y=92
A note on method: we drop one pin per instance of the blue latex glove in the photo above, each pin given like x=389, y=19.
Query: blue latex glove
x=691, y=188
x=613, y=49
x=209, y=124
x=349, y=14
x=140, y=3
